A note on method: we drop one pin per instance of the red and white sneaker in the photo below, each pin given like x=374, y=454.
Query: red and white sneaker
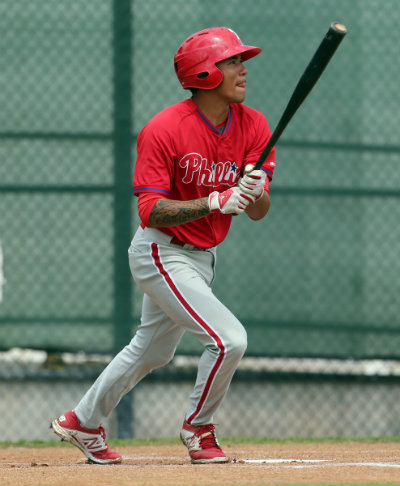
x=202, y=443
x=92, y=442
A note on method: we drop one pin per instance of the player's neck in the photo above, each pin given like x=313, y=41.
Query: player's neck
x=215, y=109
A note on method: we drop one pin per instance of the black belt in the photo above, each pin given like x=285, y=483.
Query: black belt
x=176, y=241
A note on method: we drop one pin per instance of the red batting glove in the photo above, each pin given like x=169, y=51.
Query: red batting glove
x=231, y=201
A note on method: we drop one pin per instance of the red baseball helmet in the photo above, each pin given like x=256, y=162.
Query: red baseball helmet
x=195, y=60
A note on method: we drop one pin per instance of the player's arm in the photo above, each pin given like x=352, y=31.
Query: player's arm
x=260, y=208
x=168, y=212
x=256, y=183
x=158, y=212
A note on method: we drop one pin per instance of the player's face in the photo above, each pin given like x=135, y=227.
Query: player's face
x=233, y=87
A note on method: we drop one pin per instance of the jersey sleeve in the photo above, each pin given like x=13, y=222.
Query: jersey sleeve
x=154, y=163
x=260, y=136
x=146, y=203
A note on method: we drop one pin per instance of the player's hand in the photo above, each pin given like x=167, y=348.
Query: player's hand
x=253, y=181
x=231, y=201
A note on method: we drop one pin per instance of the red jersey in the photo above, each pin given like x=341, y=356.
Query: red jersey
x=183, y=156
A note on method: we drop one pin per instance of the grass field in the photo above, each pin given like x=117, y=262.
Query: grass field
x=231, y=440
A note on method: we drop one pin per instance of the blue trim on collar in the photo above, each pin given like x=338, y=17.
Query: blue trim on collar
x=229, y=121
x=208, y=123
x=212, y=126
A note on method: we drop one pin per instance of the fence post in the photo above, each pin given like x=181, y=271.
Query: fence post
x=2, y=279
x=122, y=142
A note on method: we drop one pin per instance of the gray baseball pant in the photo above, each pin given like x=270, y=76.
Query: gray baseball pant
x=176, y=282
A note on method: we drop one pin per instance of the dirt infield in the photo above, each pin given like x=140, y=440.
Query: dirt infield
x=168, y=464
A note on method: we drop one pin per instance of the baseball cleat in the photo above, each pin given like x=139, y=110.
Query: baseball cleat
x=202, y=444
x=92, y=442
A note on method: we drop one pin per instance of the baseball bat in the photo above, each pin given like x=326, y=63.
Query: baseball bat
x=306, y=83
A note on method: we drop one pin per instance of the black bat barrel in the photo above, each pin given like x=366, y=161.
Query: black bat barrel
x=307, y=81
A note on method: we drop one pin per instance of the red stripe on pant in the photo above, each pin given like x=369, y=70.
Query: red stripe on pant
x=156, y=257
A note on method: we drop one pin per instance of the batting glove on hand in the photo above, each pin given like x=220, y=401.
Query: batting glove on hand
x=253, y=181
x=231, y=201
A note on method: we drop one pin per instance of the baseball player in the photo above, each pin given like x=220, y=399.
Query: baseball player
x=193, y=172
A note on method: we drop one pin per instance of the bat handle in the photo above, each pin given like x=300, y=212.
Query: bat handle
x=266, y=151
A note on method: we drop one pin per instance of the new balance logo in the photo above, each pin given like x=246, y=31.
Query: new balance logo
x=95, y=444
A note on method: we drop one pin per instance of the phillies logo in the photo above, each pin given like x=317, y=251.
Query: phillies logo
x=197, y=169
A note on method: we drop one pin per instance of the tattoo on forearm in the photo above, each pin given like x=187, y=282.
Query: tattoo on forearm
x=171, y=213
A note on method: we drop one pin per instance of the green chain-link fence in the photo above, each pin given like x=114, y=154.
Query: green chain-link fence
x=319, y=278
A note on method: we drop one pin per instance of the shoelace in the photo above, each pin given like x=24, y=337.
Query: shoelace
x=207, y=436
x=102, y=433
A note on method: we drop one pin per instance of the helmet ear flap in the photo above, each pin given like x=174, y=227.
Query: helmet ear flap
x=202, y=75
x=209, y=79
x=196, y=70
